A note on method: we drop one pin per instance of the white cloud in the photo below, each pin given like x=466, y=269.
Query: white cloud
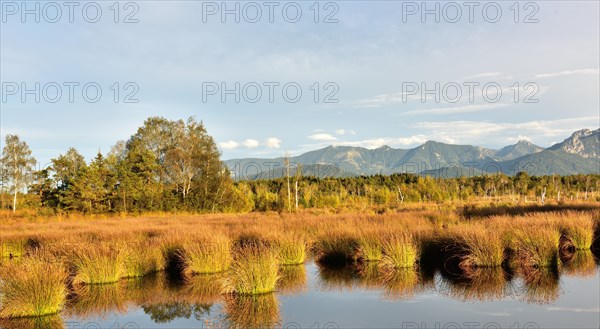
x=322, y=138
x=251, y=143
x=345, y=132
x=457, y=109
x=568, y=72
x=273, y=143
x=229, y=145
x=484, y=75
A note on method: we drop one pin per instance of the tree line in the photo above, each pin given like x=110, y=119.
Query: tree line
x=175, y=166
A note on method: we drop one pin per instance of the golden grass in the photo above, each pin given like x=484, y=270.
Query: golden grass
x=206, y=255
x=291, y=250
x=369, y=247
x=579, y=230
x=400, y=250
x=335, y=247
x=98, y=263
x=254, y=271
x=142, y=258
x=478, y=246
x=35, y=286
x=537, y=247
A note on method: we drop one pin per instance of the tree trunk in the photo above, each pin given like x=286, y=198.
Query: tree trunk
x=15, y=201
x=296, y=195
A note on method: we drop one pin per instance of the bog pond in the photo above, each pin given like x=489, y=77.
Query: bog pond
x=357, y=296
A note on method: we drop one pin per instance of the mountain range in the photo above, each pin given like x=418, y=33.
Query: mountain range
x=578, y=154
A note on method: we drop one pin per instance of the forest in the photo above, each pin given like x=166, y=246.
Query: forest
x=170, y=166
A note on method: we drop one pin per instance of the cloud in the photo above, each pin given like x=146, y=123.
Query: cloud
x=322, y=138
x=457, y=109
x=568, y=72
x=251, y=143
x=574, y=309
x=390, y=141
x=229, y=145
x=473, y=132
x=484, y=75
x=273, y=143
x=344, y=132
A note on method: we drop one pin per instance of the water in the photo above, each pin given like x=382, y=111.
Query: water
x=312, y=296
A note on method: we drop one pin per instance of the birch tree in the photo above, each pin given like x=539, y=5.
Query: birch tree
x=17, y=164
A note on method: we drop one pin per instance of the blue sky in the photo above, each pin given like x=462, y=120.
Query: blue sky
x=370, y=54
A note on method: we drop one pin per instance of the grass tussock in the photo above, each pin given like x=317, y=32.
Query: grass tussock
x=254, y=271
x=32, y=287
x=207, y=255
x=400, y=250
x=98, y=264
x=369, y=247
x=537, y=247
x=291, y=250
x=142, y=258
x=478, y=246
x=335, y=247
x=579, y=231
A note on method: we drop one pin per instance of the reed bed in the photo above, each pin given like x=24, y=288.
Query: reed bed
x=254, y=271
x=251, y=249
x=35, y=286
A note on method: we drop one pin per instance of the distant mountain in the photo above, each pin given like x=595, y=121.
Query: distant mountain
x=577, y=154
x=517, y=150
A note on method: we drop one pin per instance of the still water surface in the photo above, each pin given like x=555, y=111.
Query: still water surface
x=312, y=296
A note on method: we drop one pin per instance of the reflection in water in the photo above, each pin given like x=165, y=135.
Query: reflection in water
x=477, y=284
x=337, y=278
x=292, y=279
x=43, y=322
x=580, y=263
x=167, y=312
x=542, y=285
x=401, y=283
x=258, y=311
x=164, y=301
x=396, y=284
x=98, y=300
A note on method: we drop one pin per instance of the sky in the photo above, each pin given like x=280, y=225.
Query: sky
x=306, y=75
